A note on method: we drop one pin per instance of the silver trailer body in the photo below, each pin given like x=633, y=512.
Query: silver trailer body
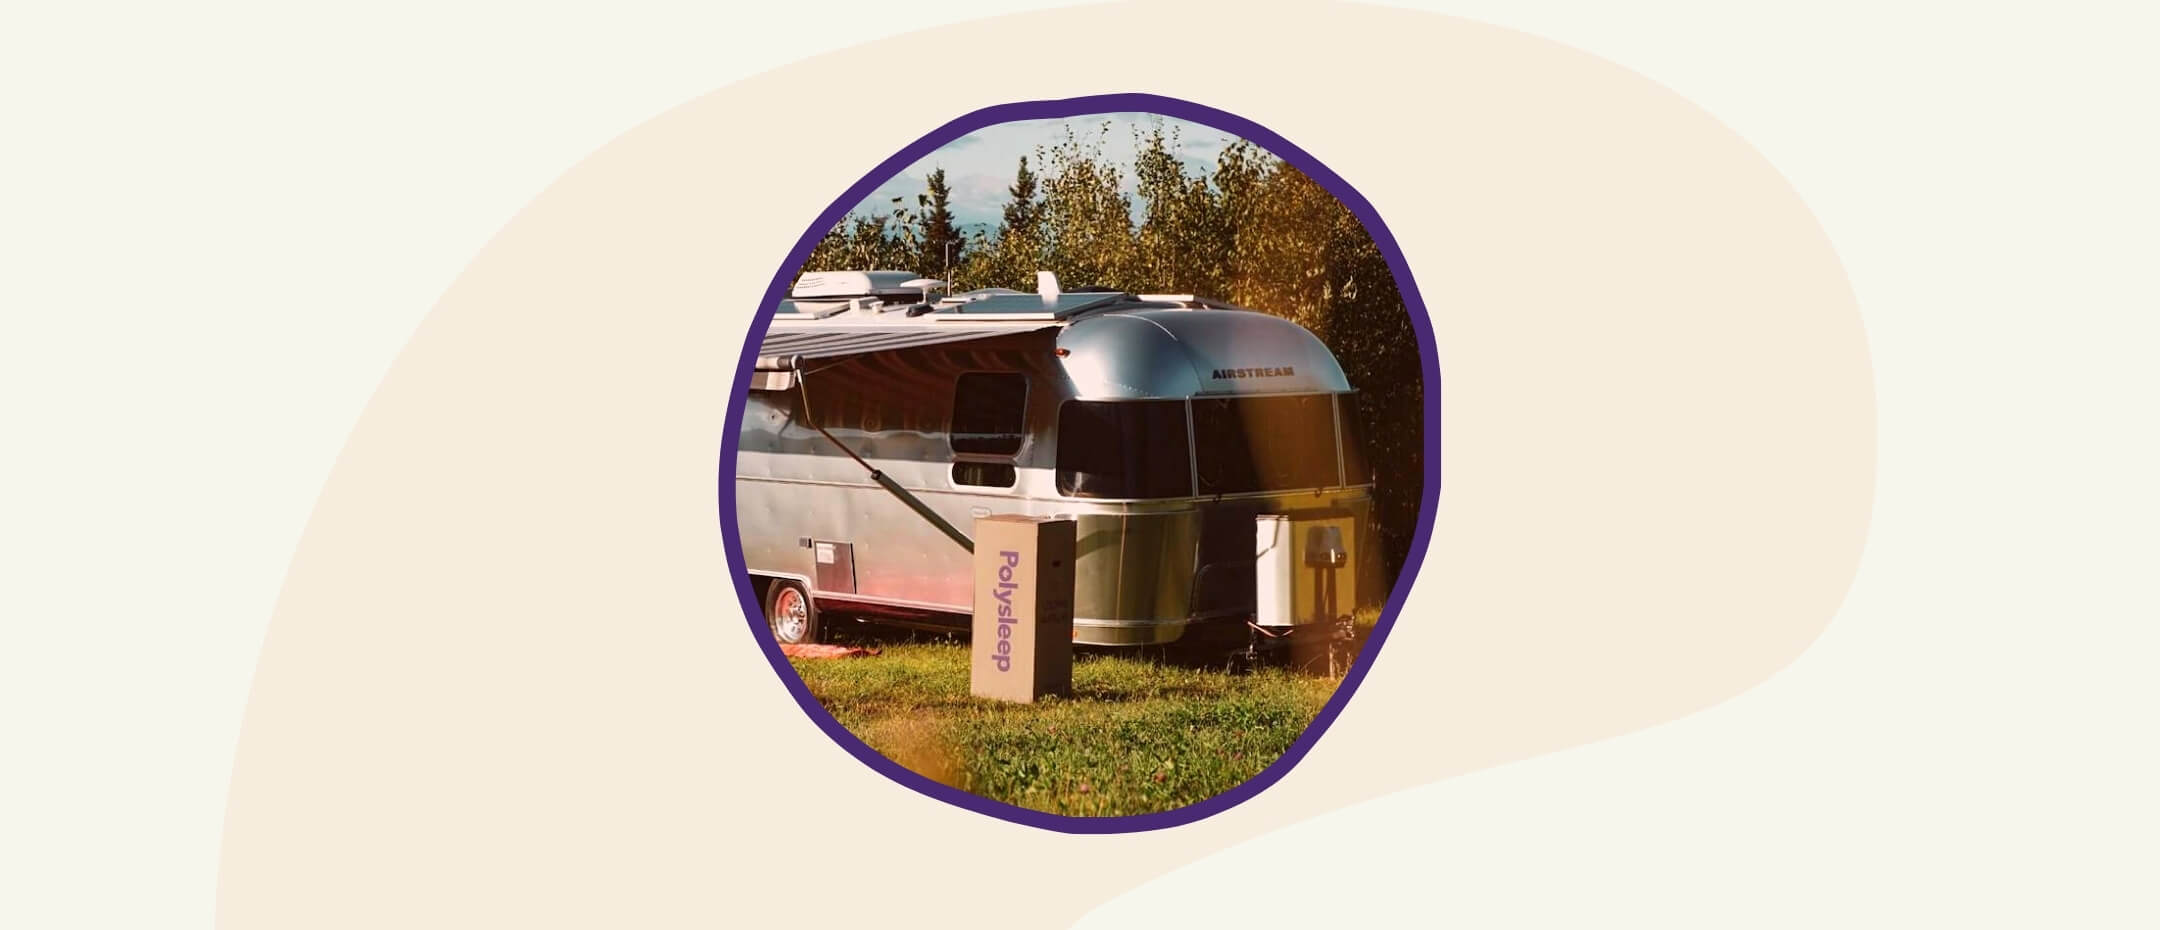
x=1162, y=425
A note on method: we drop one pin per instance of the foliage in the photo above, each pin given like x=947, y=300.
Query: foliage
x=1251, y=230
x=874, y=241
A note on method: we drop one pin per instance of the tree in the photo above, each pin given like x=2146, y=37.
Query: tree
x=942, y=244
x=873, y=241
x=1021, y=208
x=1011, y=255
x=1086, y=222
x=1184, y=241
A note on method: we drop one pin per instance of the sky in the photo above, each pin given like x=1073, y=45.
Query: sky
x=980, y=165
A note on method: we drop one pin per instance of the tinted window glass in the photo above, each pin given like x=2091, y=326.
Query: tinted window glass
x=983, y=474
x=1123, y=449
x=1356, y=468
x=989, y=412
x=1265, y=443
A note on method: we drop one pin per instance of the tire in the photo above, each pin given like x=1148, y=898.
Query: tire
x=790, y=614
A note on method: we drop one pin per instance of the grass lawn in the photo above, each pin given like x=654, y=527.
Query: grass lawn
x=1136, y=736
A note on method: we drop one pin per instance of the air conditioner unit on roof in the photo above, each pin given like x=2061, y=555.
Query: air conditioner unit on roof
x=832, y=284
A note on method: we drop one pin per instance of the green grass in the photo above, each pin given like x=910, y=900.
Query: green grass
x=1135, y=737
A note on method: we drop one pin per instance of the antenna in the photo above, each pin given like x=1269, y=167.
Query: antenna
x=1046, y=284
x=925, y=284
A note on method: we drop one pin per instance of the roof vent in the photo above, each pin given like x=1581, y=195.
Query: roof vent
x=1046, y=285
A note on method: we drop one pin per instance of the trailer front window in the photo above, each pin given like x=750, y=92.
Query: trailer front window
x=1265, y=443
x=1123, y=449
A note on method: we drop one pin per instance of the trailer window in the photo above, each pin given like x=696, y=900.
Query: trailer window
x=984, y=474
x=1267, y=443
x=1357, y=469
x=1123, y=449
x=989, y=412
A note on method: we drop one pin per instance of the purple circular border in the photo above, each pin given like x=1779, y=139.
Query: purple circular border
x=1430, y=494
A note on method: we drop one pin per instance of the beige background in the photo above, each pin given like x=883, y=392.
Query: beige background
x=508, y=681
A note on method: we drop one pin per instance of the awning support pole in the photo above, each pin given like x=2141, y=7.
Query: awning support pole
x=802, y=384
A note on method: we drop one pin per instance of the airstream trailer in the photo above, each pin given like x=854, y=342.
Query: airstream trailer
x=883, y=416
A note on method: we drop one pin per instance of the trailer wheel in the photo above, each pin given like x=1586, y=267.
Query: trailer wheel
x=790, y=614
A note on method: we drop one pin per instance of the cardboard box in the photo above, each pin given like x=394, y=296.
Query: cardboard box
x=1022, y=634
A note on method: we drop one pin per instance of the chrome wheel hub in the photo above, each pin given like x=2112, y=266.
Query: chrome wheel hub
x=791, y=616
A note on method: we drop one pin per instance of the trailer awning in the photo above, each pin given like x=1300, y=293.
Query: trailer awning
x=786, y=351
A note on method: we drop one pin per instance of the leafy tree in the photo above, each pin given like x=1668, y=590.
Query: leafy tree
x=1184, y=241
x=1086, y=222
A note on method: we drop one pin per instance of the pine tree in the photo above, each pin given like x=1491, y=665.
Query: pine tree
x=942, y=244
x=1023, y=210
x=1017, y=249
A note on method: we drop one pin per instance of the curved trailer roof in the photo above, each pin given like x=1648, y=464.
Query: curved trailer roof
x=1133, y=354
x=804, y=329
